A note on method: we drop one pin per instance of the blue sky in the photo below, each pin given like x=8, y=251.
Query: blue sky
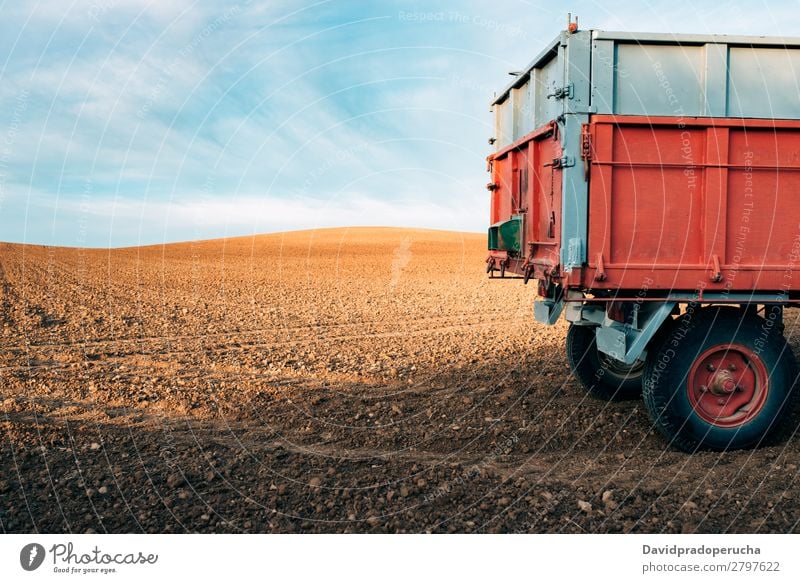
x=126, y=122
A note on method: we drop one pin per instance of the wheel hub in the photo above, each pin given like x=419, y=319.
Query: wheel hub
x=722, y=383
x=727, y=385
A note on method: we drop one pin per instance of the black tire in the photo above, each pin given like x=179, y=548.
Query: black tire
x=691, y=405
x=602, y=376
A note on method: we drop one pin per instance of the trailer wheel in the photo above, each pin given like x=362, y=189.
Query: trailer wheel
x=720, y=380
x=602, y=376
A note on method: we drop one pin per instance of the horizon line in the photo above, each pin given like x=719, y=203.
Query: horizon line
x=238, y=236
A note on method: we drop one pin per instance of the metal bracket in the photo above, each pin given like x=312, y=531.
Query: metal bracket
x=626, y=343
x=575, y=247
x=529, y=268
x=562, y=92
x=601, y=269
x=563, y=162
x=548, y=311
x=716, y=273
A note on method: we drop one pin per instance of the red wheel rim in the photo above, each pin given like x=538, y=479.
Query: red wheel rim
x=728, y=385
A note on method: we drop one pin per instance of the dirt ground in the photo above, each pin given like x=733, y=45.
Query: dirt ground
x=343, y=380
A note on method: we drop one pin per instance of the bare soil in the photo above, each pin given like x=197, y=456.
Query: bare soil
x=343, y=380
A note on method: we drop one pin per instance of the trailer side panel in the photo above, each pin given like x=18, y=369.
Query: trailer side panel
x=688, y=203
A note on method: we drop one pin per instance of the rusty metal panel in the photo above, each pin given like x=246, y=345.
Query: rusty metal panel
x=527, y=188
x=707, y=204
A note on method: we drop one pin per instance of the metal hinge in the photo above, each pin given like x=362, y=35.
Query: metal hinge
x=586, y=149
x=562, y=92
x=564, y=162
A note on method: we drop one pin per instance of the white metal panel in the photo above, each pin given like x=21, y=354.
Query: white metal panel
x=525, y=105
x=546, y=80
x=523, y=111
x=604, y=71
x=659, y=80
x=697, y=39
x=764, y=82
x=703, y=75
x=503, y=123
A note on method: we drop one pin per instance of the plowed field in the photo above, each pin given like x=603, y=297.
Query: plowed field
x=342, y=380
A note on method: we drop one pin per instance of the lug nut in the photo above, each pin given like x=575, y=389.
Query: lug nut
x=703, y=389
x=720, y=401
x=731, y=366
x=711, y=368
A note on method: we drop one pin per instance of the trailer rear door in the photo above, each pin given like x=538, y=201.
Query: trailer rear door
x=526, y=169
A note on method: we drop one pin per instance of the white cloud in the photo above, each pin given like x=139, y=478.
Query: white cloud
x=131, y=222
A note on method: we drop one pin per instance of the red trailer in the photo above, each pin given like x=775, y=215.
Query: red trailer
x=648, y=184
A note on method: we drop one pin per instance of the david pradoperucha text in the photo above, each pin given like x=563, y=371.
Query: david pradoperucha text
x=680, y=551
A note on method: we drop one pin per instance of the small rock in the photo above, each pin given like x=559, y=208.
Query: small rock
x=403, y=491
x=315, y=482
x=373, y=521
x=689, y=505
x=584, y=506
x=608, y=500
x=94, y=446
x=102, y=490
x=174, y=480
